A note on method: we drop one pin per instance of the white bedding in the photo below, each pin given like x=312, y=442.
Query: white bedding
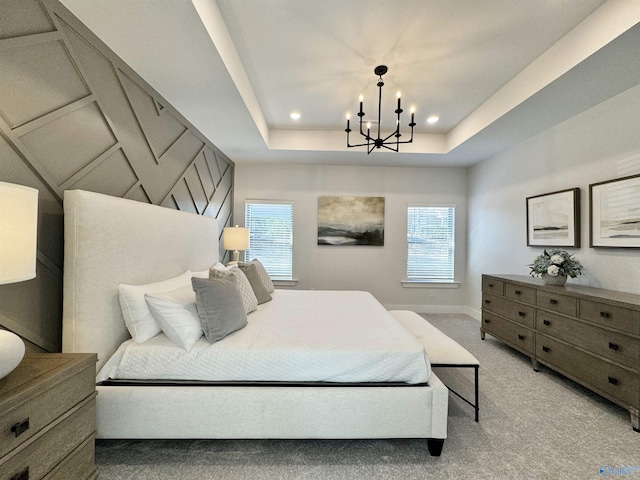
x=299, y=336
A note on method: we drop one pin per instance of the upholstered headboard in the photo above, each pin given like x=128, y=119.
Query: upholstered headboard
x=110, y=240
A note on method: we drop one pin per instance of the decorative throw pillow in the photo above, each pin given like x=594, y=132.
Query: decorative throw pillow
x=219, y=306
x=262, y=272
x=137, y=316
x=249, y=299
x=177, y=315
x=260, y=291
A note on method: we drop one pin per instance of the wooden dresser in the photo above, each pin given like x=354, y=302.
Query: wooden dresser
x=587, y=334
x=48, y=419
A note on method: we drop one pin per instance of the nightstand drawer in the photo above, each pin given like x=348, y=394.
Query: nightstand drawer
x=520, y=293
x=614, y=346
x=81, y=464
x=517, y=312
x=609, y=379
x=557, y=303
x=29, y=418
x=510, y=332
x=39, y=456
x=615, y=317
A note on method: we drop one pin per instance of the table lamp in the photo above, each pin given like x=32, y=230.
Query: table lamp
x=236, y=239
x=18, y=243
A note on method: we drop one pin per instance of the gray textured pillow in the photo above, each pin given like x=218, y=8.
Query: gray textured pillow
x=219, y=306
x=264, y=276
x=249, y=299
x=249, y=269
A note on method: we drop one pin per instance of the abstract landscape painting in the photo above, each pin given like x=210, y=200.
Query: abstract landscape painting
x=344, y=220
x=553, y=219
x=615, y=213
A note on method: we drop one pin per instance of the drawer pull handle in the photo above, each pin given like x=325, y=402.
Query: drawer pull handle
x=23, y=475
x=20, y=427
x=553, y=301
x=545, y=349
x=612, y=381
x=486, y=320
x=520, y=337
x=491, y=285
x=517, y=292
x=546, y=322
x=614, y=346
x=522, y=314
x=604, y=314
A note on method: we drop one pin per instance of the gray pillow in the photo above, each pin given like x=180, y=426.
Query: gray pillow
x=258, y=287
x=249, y=299
x=219, y=306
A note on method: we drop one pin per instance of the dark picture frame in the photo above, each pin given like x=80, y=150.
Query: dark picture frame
x=614, y=213
x=553, y=219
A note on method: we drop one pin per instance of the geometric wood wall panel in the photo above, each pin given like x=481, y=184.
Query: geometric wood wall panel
x=22, y=17
x=37, y=79
x=74, y=115
x=62, y=146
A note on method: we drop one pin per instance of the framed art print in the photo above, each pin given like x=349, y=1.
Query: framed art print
x=614, y=216
x=553, y=219
x=346, y=221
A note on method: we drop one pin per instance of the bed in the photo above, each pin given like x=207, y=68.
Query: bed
x=110, y=241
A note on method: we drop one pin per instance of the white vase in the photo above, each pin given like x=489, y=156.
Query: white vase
x=11, y=352
x=551, y=280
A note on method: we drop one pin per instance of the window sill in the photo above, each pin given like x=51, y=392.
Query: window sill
x=430, y=284
x=284, y=283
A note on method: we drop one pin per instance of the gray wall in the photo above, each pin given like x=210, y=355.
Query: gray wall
x=74, y=116
x=378, y=270
x=599, y=144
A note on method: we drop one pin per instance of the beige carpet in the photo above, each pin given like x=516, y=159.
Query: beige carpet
x=532, y=426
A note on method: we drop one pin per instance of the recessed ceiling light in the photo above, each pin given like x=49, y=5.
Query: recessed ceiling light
x=433, y=119
x=295, y=115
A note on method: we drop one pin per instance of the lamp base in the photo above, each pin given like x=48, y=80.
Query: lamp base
x=11, y=352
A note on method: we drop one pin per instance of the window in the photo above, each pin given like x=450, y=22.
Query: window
x=271, y=236
x=430, y=243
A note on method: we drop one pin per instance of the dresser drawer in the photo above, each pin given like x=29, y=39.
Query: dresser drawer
x=41, y=455
x=494, y=286
x=520, y=293
x=617, y=382
x=614, y=346
x=80, y=465
x=510, y=332
x=42, y=409
x=610, y=316
x=557, y=303
x=517, y=312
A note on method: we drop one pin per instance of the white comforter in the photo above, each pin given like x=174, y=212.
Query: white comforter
x=299, y=336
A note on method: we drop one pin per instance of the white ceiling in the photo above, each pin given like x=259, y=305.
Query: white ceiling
x=494, y=71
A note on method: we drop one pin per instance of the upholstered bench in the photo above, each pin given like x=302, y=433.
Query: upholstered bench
x=441, y=350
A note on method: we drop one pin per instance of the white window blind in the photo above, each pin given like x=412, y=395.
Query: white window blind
x=430, y=242
x=271, y=236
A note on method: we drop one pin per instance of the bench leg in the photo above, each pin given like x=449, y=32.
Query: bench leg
x=435, y=446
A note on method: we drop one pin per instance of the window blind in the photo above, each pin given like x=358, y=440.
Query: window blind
x=271, y=237
x=430, y=243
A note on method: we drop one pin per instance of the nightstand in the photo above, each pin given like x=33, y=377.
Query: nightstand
x=48, y=418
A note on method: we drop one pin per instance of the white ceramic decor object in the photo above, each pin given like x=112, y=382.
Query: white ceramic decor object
x=11, y=352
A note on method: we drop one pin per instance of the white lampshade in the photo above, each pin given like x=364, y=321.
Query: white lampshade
x=236, y=238
x=18, y=232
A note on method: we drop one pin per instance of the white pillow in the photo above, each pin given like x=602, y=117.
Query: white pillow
x=137, y=317
x=177, y=315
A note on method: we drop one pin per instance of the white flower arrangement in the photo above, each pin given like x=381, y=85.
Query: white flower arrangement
x=556, y=262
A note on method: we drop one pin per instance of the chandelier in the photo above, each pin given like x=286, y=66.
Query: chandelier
x=392, y=141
